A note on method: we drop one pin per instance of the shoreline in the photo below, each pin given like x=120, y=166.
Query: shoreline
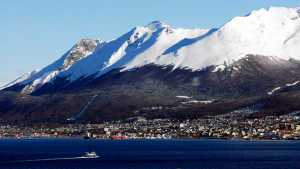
x=152, y=139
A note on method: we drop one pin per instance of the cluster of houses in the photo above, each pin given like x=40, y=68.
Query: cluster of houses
x=230, y=126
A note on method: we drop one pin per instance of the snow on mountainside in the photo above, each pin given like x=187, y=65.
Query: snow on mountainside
x=272, y=32
x=19, y=79
x=79, y=51
x=82, y=49
x=138, y=47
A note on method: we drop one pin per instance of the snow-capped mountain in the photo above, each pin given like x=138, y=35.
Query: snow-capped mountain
x=138, y=47
x=157, y=71
x=268, y=32
x=272, y=32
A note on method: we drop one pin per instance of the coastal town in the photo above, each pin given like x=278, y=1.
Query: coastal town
x=233, y=125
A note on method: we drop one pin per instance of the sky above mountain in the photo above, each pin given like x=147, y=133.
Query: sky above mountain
x=35, y=32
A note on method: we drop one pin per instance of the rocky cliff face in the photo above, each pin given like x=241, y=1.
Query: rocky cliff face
x=82, y=49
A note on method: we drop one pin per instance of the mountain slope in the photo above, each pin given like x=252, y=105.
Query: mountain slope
x=138, y=47
x=161, y=92
x=272, y=32
x=250, y=62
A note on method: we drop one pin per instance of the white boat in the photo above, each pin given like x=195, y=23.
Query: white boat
x=92, y=154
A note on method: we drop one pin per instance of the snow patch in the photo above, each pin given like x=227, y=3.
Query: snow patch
x=219, y=68
x=197, y=101
x=184, y=97
x=38, y=82
x=292, y=84
x=286, y=85
x=274, y=90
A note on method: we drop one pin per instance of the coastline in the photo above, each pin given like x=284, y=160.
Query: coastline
x=152, y=139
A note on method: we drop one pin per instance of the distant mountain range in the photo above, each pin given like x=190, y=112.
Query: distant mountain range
x=250, y=63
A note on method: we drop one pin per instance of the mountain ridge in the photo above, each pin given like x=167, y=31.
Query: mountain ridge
x=251, y=62
x=159, y=43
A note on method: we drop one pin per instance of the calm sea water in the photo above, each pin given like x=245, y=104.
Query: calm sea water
x=149, y=154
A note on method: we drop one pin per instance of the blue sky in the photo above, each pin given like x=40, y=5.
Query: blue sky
x=36, y=32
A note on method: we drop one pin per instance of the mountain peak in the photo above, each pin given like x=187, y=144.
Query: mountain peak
x=276, y=11
x=157, y=25
x=269, y=32
x=81, y=49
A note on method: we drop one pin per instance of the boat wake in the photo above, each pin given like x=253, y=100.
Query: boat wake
x=87, y=156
